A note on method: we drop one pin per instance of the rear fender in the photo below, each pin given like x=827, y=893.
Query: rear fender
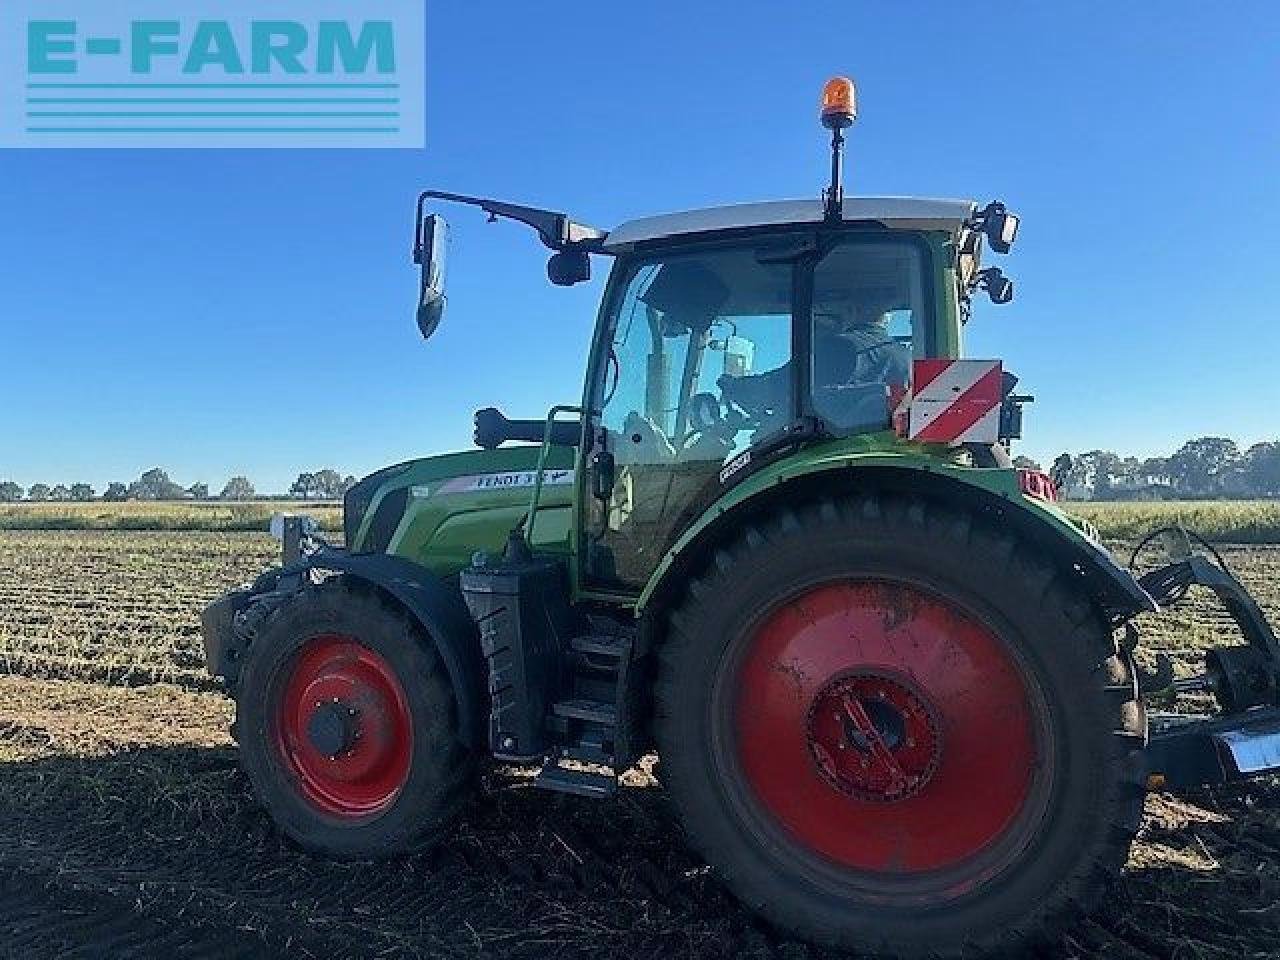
x=991, y=493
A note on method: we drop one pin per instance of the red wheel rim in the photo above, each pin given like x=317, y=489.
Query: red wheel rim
x=884, y=728
x=343, y=727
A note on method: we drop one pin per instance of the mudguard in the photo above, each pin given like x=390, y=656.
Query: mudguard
x=439, y=607
x=436, y=604
x=994, y=493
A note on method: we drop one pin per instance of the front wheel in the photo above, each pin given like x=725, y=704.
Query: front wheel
x=348, y=726
x=891, y=729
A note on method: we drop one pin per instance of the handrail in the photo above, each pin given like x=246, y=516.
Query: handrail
x=542, y=465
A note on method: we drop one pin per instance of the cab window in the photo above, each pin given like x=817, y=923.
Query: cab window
x=868, y=309
x=695, y=369
x=689, y=330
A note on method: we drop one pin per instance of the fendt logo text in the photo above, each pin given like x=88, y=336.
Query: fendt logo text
x=299, y=73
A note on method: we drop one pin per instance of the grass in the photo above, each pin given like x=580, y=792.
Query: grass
x=218, y=517
x=1223, y=521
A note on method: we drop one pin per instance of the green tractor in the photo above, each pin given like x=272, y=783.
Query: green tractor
x=780, y=543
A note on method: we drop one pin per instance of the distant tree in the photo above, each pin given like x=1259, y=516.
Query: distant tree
x=328, y=484
x=116, y=493
x=10, y=492
x=1025, y=463
x=347, y=483
x=155, y=485
x=81, y=492
x=1129, y=472
x=237, y=488
x=325, y=484
x=1061, y=470
x=1200, y=466
x=1099, y=469
x=303, y=486
x=60, y=493
x=198, y=491
x=1156, y=471
x=38, y=492
x=1262, y=469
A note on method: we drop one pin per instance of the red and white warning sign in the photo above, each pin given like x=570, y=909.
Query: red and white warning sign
x=955, y=401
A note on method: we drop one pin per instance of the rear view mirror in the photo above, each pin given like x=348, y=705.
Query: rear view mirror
x=568, y=267
x=430, y=252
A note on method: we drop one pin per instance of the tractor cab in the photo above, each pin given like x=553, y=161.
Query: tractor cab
x=732, y=333
x=731, y=336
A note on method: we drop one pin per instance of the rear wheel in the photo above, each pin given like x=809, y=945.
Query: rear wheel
x=892, y=729
x=348, y=726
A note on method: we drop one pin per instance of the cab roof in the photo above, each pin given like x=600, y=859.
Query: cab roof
x=896, y=213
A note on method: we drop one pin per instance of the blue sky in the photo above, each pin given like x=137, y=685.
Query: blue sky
x=251, y=311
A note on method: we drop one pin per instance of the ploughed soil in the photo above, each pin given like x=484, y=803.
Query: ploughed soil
x=129, y=831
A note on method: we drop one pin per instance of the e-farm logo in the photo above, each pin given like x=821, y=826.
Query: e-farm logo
x=211, y=73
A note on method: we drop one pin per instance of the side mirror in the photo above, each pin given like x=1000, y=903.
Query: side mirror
x=430, y=252
x=568, y=267
x=1000, y=227
x=999, y=287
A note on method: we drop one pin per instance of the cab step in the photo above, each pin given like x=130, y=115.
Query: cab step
x=580, y=783
x=592, y=711
x=617, y=647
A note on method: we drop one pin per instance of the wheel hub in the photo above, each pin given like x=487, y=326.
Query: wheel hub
x=874, y=737
x=333, y=728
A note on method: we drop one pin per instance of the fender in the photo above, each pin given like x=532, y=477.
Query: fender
x=439, y=608
x=844, y=466
x=434, y=603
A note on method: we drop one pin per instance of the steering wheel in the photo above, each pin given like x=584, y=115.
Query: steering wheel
x=706, y=419
x=704, y=412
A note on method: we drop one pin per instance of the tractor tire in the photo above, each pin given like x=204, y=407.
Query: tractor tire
x=348, y=725
x=893, y=728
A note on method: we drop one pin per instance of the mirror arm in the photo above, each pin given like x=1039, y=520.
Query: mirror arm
x=556, y=230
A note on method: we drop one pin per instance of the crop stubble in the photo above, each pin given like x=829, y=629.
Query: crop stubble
x=128, y=826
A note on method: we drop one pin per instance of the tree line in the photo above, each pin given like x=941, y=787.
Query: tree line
x=1204, y=468
x=155, y=484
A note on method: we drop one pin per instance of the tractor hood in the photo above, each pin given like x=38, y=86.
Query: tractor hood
x=438, y=511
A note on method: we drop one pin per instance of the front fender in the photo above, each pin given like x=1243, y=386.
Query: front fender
x=438, y=606
x=434, y=603
x=994, y=493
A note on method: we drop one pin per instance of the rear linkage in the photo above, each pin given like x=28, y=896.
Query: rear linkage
x=1187, y=750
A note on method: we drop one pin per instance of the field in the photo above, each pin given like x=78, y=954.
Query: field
x=1235, y=521
x=250, y=516
x=1245, y=521
x=128, y=826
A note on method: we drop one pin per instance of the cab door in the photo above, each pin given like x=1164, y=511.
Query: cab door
x=680, y=329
